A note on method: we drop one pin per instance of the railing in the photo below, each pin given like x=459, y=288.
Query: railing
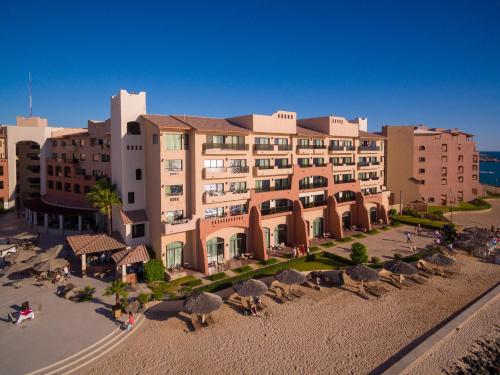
x=375, y=178
x=314, y=204
x=264, y=166
x=320, y=164
x=284, y=166
x=311, y=147
x=275, y=210
x=243, y=169
x=226, y=146
x=375, y=163
x=345, y=181
x=350, y=148
x=263, y=147
x=336, y=148
x=282, y=147
x=365, y=179
x=314, y=185
x=345, y=199
x=363, y=164
x=350, y=163
x=338, y=164
x=369, y=148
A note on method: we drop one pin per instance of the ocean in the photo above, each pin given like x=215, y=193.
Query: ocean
x=490, y=172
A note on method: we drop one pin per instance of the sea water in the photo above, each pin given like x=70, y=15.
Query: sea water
x=490, y=172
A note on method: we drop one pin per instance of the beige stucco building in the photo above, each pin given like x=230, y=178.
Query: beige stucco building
x=431, y=165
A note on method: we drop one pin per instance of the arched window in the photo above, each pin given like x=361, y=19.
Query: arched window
x=174, y=254
x=76, y=189
x=215, y=250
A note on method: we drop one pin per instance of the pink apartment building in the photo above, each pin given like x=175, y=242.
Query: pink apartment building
x=435, y=166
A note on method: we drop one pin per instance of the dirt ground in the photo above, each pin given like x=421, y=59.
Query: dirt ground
x=329, y=332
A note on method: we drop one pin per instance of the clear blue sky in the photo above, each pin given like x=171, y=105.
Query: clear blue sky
x=395, y=62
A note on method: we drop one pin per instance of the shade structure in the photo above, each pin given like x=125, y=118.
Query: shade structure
x=400, y=267
x=290, y=277
x=25, y=236
x=202, y=303
x=439, y=260
x=20, y=256
x=51, y=265
x=481, y=252
x=362, y=273
x=18, y=267
x=250, y=288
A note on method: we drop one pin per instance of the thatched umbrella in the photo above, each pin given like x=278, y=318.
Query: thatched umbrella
x=20, y=256
x=332, y=277
x=481, y=252
x=250, y=288
x=439, y=260
x=362, y=273
x=202, y=303
x=290, y=277
x=51, y=265
x=401, y=268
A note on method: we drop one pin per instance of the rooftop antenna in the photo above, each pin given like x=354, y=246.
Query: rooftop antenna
x=30, y=101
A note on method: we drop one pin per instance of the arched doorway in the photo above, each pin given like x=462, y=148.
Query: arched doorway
x=267, y=238
x=237, y=245
x=318, y=227
x=215, y=250
x=373, y=215
x=174, y=254
x=346, y=220
x=280, y=234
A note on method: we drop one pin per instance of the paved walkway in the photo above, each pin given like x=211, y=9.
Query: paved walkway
x=485, y=218
x=60, y=328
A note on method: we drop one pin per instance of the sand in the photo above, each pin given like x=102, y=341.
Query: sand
x=329, y=332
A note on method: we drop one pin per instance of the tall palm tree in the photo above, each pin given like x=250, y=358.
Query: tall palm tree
x=103, y=196
x=118, y=288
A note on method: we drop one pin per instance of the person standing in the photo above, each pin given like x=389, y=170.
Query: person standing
x=130, y=321
x=408, y=237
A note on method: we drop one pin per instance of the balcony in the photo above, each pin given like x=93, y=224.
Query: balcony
x=336, y=148
x=273, y=188
x=346, y=199
x=179, y=226
x=375, y=163
x=306, y=165
x=276, y=210
x=269, y=149
x=311, y=149
x=315, y=185
x=221, y=196
x=345, y=181
x=350, y=148
x=225, y=148
x=229, y=172
x=364, y=164
x=314, y=204
x=263, y=171
x=369, y=148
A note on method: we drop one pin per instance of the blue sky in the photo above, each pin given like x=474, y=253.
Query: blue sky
x=395, y=62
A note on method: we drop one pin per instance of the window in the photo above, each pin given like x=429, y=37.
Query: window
x=460, y=158
x=444, y=181
x=281, y=141
x=50, y=184
x=174, y=254
x=421, y=159
x=173, y=216
x=302, y=142
x=262, y=185
x=430, y=200
x=138, y=230
x=444, y=158
x=238, y=209
x=50, y=170
x=474, y=176
x=131, y=197
x=474, y=191
x=67, y=187
x=76, y=189
x=133, y=128
x=303, y=162
x=237, y=163
x=173, y=165
x=262, y=163
x=421, y=170
x=460, y=178
x=444, y=147
x=54, y=143
x=444, y=171
x=105, y=158
x=474, y=158
x=86, y=189
x=95, y=157
x=155, y=139
x=58, y=185
x=215, y=163
x=421, y=148
x=177, y=141
x=422, y=182
x=82, y=157
x=238, y=187
x=138, y=174
x=261, y=140
x=173, y=190
x=214, y=212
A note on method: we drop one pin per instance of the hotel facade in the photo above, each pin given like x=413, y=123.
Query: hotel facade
x=202, y=191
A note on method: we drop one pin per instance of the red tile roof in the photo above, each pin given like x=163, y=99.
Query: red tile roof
x=134, y=216
x=94, y=243
x=164, y=121
x=309, y=132
x=363, y=134
x=129, y=256
x=207, y=124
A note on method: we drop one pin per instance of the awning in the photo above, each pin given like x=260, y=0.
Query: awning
x=130, y=256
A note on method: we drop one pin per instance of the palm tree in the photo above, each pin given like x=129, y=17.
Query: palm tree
x=118, y=288
x=103, y=196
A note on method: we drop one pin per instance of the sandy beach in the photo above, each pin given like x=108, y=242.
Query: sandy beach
x=329, y=332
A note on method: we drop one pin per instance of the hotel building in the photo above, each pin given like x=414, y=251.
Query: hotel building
x=433, y=166
x=202, y=191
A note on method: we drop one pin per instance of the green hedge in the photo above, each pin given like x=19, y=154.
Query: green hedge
x=217, y=276
x=345, y=239
x=154, y=270
x=373, y=231
x=426, y=223
x=268, y=262
x=359, y=235
x=339, y=258
x=328, y=244
x=242, y=269
x=192, y=283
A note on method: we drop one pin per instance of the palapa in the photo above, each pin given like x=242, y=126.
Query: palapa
x=290, y=277
x=202, y=303
x=401, y=268
x=362, y=273
x=250, y=288
x=51, y=265
x=439, y=260
x=20, y=256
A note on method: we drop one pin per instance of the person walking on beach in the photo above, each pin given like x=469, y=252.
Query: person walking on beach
x=408, y=237
x=130, y=321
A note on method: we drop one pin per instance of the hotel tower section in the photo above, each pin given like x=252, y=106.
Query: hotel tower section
x=206, y=190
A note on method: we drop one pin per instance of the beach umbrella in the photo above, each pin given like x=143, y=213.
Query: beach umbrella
x=51, y=265
x=202, y=303
x=439, y=260
x=362, y=273
x=49, y=254
x=250, y=288
x=20, y=256
x=401, y=268
x=481, y=252
x=331, y=277
x=290, y=277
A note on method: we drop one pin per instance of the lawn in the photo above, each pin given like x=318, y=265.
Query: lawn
x=411, y=220
x=474, y=205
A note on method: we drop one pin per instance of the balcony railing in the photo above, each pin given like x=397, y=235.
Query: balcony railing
x=275, y=210
x=320, y=164
x=345, y=181
x=369, y=148
x=264, y=166
x=338, y=164
x=350, y=148
x=314, y=185
x=306, y=165
x=350, y=163
x=314, y=204
x=363, y=164
x=375, y=163
x=286, y=147
x=311, y=147
x=336, y=148
x=226, y=146
x=345, y=199
x=375, y=178
x=272, y=188
x=263, y=147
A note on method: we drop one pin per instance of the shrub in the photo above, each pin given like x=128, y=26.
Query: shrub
x=408, y=212
x=426, y=223
x=345, y=239
x=385, y=228
x=310, y=257
x=242, y=269
x=157, y=294
x=192, y=283
x=328, y=244
x=86, y=294
x=411, y=258
x=392, y=212
x=339, y=258
x=449, y=233
x=373, y=231
x=359, y=235
x=268, y=262
x=143, y=298
x=398, y=256
x=313, y=248
x=217, y=276
x=154, y=270
x=359, y=253
x=375, y=260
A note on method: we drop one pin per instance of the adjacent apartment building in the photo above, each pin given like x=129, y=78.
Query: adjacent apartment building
x=431, y=165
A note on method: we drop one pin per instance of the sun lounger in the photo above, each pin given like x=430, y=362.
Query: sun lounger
x=373, y=291
x=417, y=279
x=391, y=282
x=279, y=294
x=297, y=293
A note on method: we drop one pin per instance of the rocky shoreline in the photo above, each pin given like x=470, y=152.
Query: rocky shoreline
x=484, y=358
